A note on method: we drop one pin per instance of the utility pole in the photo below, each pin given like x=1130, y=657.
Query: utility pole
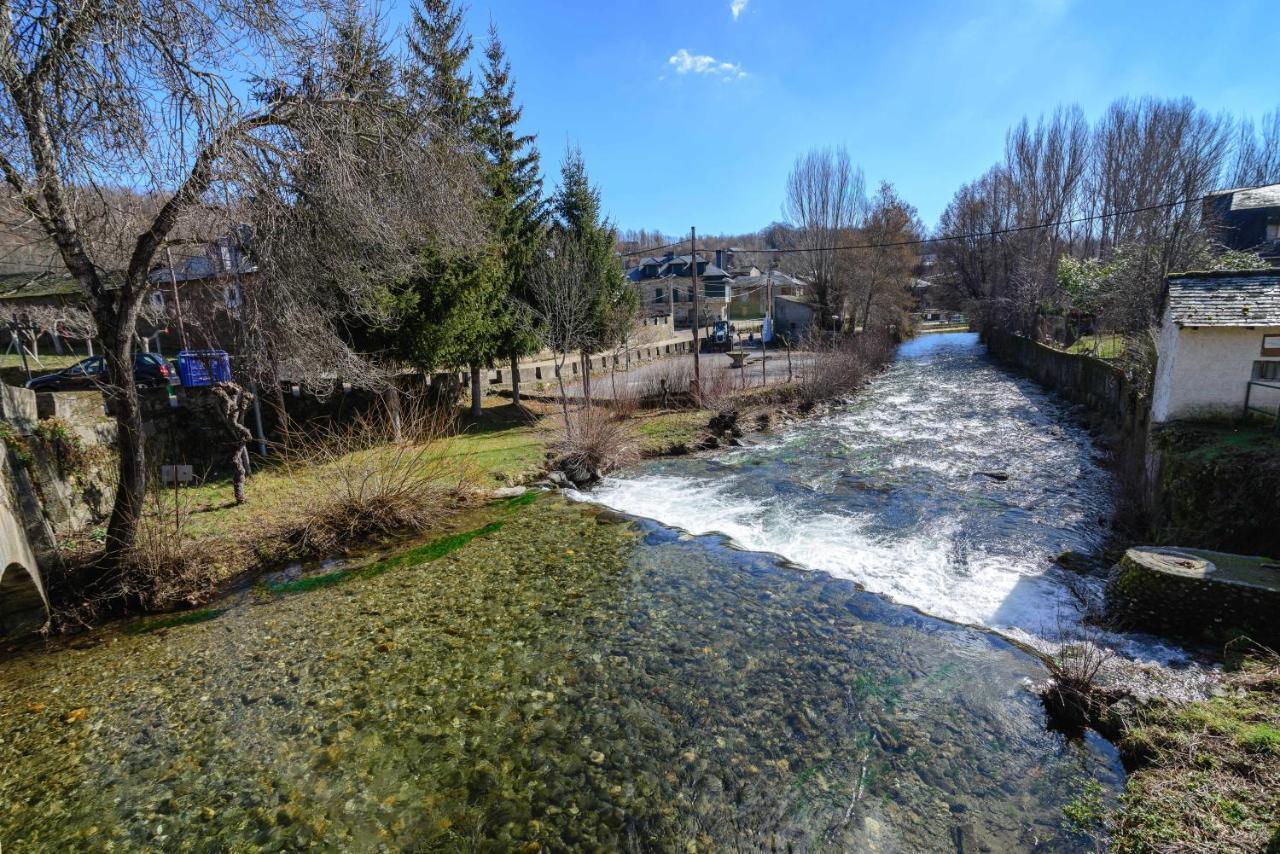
x=765, y=329
x=697, y=316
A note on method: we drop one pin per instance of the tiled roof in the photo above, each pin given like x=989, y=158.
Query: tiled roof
x=37, y=285
x=1225, y=299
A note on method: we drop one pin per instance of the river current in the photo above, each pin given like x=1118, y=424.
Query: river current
x=948, y=485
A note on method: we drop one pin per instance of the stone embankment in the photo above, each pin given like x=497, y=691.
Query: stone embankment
x=1196, y=594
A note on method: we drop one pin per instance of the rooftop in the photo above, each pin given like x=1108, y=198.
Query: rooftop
x=1250, y=298
x=1244, y=198
x=36, y=285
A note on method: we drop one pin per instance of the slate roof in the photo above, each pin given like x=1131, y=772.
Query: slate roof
x=1246, y=198
x=1225, y=299
x=37, y=285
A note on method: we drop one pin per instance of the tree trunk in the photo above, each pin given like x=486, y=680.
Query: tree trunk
x=586, y=379
x=515, y=380
x=475, y=391
x=391, y=398
x=122, y=399
x=564, y=398
x=238, y=471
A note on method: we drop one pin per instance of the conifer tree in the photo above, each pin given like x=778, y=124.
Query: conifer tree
x=454, y=308
x=517, y=210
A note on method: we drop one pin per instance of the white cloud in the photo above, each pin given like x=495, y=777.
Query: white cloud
x=737, y=7
x=692, y=63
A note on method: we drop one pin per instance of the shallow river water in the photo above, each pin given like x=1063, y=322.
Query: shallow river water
x=583, y=680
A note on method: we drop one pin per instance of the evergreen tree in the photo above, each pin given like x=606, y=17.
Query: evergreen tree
x=438, y=81
x=517, y=211
x=454, y=308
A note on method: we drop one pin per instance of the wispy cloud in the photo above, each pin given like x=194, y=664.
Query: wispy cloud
x=685, y=62
x=737, y=7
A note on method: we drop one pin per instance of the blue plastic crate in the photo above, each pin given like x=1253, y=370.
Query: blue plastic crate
x=203, y=367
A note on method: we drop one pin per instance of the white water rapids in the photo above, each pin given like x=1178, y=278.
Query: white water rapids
x=888, y=492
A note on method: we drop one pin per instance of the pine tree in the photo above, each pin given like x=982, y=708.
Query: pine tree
x=455, y=307
x=438, y=81
x=517, y=211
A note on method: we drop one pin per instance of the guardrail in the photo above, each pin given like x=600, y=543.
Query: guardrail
x=1249, y=407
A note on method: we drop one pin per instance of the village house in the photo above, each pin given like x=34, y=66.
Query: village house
x=1246, y=219
x=793, y=316
x=1219, y=346
x=665, y=285
x=192, y=306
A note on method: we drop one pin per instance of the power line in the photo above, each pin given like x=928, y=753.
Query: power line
x=976, y=235
x=652, y=249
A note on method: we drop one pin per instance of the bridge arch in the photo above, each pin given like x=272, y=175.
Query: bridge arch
x=23, y=604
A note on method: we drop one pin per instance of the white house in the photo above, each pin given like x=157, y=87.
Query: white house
x=1219, y=346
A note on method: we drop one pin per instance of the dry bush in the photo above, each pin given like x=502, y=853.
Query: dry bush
x=1074, y=697
x=164, y=569
x=675, y=373
x=389, y=471
x=591, y=445
x=715, y=389
x=839, y=364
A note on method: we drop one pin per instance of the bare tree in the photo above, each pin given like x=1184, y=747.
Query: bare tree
x=563, y=301
x=1257, y=156
x=825, y=200
x=95, y=98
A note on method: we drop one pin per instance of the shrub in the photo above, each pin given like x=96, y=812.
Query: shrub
x=838, y=365
x=66, y=447
x=384, y=473
x=591, y=445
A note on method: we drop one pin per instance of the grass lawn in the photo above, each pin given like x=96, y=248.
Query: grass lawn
x=504, y=446
x=1101, y=346
x=12, y=373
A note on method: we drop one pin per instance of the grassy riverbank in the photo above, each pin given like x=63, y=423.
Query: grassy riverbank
x=1208, y=774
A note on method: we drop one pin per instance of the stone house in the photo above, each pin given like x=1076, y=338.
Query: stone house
x=1218, y=351
x=192, y=306
x=665, y=285
x=793, y=316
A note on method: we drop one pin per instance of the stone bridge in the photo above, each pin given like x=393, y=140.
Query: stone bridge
x=24, y=604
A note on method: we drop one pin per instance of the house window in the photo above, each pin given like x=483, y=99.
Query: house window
x=1273, y=229
x=1269, y=371
x=157, y=300
x=658, y=294
x=231, y=295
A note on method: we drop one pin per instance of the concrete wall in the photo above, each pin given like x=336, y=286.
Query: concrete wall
x=1203, y=372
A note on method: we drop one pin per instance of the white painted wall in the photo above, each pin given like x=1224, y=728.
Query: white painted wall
x=1203, y=372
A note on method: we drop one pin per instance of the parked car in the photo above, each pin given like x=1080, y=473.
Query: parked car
x=148, y=370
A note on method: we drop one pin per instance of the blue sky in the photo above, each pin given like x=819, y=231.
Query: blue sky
x=691, y=112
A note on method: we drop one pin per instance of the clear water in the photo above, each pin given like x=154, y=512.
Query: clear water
x=581, y=680
x=889, y=492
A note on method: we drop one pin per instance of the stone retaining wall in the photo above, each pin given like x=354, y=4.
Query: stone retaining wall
x=1200, y=595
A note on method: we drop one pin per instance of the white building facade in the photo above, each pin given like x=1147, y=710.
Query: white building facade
x=1219, y=347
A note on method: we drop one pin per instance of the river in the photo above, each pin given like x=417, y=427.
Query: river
x=677, y=678
x=948, y=485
